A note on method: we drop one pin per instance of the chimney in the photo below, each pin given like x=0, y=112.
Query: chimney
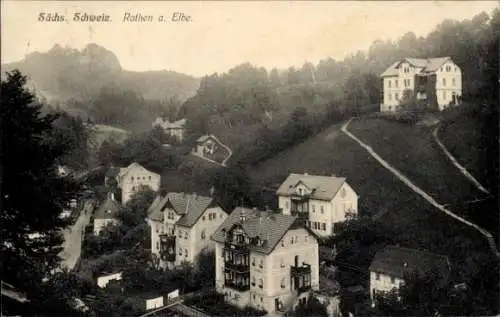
x=112, y=195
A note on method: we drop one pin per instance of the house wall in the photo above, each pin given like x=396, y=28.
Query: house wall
x=99, y=224
x=176, y=132
x=383, y=283
x=103, y=280
x=205, y=227
x=449, y=81
x=183, y=245
x=156, y=228
x=326, y=212
x=135, y=178
x=154, y=303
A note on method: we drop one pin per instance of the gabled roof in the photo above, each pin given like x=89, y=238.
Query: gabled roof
x=109, y=204
x=124, y=171
x=203, y=138
x=189, y=206
x=428, y=65
x=166, y=124
x=323, y=187
x=397, y=261
x=267, y=225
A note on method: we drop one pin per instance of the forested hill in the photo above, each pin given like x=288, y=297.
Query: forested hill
x=240, y=102
x=64, y=73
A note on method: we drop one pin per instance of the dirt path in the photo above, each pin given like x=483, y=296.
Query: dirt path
x=73, y=235
x=453, y=160
x=419, y=191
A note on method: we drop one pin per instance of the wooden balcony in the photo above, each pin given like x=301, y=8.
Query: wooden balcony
x=167, y=247
x=242, y=287
x=301, y=276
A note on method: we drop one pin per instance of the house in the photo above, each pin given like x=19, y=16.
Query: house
x=106, y=213
x=424, y=78
x=206, y=145
x=265, y=259
x=131, y=179
x=181, y=227
x=174, y=129
x=104, y=280
x=323, y=202
x=391, y=265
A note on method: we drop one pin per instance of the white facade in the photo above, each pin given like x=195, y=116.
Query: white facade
x=103, y=280
x=100, y=224
x=323, y=214
x=383, y=283
x=154, y=303
x=174, y=129
x=133, y=177
x=270, y=281
x=402, y=76
x=190, y=241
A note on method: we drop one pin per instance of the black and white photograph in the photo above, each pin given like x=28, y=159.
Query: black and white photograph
x=249, y=158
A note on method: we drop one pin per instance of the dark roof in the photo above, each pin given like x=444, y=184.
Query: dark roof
x=267, y=225
x=428, y=65
x=113, y=171
x=190, y=206
x=323, y=187
x=109, y=204
x=398, y=261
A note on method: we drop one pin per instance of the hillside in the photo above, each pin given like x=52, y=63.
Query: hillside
x=64, y=73
x=413, y=221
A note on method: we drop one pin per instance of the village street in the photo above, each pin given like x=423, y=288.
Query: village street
x=73, y=236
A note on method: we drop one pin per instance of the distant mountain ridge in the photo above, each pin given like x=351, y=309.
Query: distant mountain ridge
x=64, y=73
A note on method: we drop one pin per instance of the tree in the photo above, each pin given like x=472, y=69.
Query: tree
x=33, y=195
x=312, y=308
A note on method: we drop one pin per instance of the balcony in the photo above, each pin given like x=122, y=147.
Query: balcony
x=301, y=276
x=242, y=287
x=236, y=247
x=300, y=214
x=243, y=268
x=167, y=247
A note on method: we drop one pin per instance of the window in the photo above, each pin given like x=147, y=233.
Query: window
x=203, y=234
x=180, y=251
x=253, y=261
x=157, y=245
x=389, y=82
x=314, y=208
x=253, y=283
x=185, y=235
x=291, y=240
x=283, y=243
x=453, y=81
x=149, y=177
x=261, y=284
x=186, y=252
x=261, y=264
x=203, y=218
x=306, y=239
x=393, y=280
x=322, y=208
x=323, y=226
x=396, y=96
x=180, y=234
x=444, y=82
x=282, y=263
x=132, y=178
x=377, y=276
x=282, y=284
x=448, y=68
x=396, y=83
x=156, y=228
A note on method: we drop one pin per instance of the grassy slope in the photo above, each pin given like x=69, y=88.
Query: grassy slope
x=413, y=151
x=416, y=222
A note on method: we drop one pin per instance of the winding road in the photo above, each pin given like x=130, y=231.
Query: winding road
x=419, y=191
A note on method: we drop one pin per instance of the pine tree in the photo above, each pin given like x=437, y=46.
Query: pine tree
x=32, y=193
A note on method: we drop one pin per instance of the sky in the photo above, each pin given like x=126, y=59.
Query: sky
x=223, y=34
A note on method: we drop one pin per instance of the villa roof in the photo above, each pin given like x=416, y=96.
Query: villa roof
x=427, y=65
x=107, y=209
x=398, y=261
x=323, y=187
x=267, y=225
x=189, y=206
